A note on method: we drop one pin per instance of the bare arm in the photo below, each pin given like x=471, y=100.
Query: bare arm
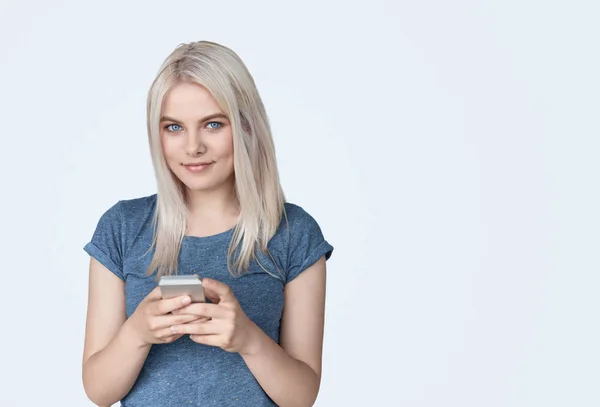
x=116, y=347
x=290, y=373
x=112, y=359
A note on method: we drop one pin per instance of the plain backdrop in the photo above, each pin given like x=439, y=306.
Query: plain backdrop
x=449, y=151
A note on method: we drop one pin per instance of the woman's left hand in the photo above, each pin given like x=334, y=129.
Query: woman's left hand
x=228, y=326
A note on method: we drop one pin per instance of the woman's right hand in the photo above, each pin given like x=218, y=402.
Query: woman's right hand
x=152, y=319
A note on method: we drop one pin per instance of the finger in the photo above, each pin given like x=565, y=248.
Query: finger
x=166, y=321
x=166, y=335
x=199, y=320
x=196, y=318
x=217, y=291
x=204, y=328
x=172, y=338
x=203, y=310
x=170, y=304
x=210, y=340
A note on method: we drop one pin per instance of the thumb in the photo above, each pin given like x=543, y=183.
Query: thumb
x=217, y=291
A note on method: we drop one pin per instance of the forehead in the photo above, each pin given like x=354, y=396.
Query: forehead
x=189, y=100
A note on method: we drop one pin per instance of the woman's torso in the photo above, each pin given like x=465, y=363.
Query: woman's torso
x=185, y=372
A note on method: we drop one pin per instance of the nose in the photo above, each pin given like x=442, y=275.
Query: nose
x=194, y=144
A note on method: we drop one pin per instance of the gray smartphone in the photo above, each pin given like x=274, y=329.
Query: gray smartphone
x=175, y=286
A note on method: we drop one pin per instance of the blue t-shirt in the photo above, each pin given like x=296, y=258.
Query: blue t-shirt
x=185, y=373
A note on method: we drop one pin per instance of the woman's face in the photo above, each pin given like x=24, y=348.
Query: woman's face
x=194, y=130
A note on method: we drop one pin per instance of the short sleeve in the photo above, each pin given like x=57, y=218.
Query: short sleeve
x=307, y=245
x=106, y=245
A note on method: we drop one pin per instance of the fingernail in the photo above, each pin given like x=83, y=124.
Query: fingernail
x=174, y=329
x=186, y=300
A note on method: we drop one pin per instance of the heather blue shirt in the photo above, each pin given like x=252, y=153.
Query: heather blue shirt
x=185, y=373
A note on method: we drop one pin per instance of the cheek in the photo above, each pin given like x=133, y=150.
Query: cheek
x=226, y=153
x=225, y=147
x=165, y=146
x=230, y=145
x=170, y=158
x=168, y=149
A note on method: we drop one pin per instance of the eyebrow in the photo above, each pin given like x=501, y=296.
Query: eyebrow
x=209, y=117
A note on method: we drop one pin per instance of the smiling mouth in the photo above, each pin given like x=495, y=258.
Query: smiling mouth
x=200, y=163
x=197, y=167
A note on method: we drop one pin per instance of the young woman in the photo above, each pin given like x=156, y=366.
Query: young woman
x=219, y=212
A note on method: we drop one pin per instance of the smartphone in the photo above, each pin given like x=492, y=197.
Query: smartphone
x=175, y=286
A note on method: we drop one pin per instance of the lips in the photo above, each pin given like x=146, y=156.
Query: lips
x=197, y=164
x=197, y=167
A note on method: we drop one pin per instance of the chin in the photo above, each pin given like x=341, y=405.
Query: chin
x=201, y=186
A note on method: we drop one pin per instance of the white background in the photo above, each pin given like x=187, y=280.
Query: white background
x=449, y=151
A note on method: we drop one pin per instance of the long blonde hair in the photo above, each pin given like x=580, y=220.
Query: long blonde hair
x=257, y=187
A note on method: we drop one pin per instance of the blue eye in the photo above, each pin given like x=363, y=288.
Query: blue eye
x=169, y=125
x=172, y=128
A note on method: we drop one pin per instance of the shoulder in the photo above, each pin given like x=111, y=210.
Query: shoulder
x=133, y=211
x=125, y=213
x=115, y=229
x=305, y=241
x=132, y=206
x=297, y=217
x=135, y=207
x=296, y=222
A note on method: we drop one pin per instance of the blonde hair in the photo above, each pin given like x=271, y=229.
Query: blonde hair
x=257, y=187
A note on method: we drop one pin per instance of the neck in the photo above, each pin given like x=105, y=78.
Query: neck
x=214, y=204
